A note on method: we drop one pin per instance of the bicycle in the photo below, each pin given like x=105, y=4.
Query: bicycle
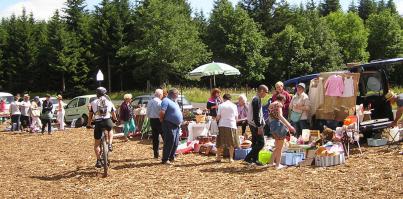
x=104, y=154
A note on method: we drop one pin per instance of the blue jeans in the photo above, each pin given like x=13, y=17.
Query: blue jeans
x=171, y=140
x=302, y=124
x=15, y=119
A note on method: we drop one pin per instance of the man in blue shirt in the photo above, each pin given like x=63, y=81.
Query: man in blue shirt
x=171, y=117
x=153, y=113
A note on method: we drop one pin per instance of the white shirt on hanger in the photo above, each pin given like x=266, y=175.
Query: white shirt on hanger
x=348, y=87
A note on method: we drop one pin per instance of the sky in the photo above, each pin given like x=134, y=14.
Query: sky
x=43, y=9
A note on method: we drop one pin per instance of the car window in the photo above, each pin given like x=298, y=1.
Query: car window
x=54, y=101
x=92, y=99
x=81, y=101
x=144, y=100
x=8, y=99
x=72, y=103
x=371, y=84
x=136, y=101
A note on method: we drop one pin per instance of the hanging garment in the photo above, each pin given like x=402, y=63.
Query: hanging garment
x=348, y=87
x=316, y=94
x=334, y=86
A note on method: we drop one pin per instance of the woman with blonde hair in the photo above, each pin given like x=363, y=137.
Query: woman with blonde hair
x=60, y=112
x=126, y=115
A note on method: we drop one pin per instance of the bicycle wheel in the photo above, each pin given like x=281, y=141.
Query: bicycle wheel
x=105, y=151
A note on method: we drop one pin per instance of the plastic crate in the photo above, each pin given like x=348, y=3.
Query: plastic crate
x=327, y=161
x=292, y=159
x=241, y=154
x=377, y=142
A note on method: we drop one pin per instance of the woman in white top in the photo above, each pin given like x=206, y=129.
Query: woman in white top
x=36, y=123
x=299, y=109
x=15, y=114
x=60, y=113
x=227, y=116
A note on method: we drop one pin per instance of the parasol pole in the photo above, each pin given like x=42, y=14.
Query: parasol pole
x=214, y=80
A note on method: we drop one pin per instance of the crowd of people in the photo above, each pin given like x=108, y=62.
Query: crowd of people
x=283, y=114
x=34, y=115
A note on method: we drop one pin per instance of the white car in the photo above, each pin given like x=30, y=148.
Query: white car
x=78, y=107
x=8, y=98
x=143, y=100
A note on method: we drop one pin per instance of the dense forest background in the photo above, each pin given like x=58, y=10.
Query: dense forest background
x=160, y=41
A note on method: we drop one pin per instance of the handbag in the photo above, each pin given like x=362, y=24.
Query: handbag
x=47, y=115
x=295, y=116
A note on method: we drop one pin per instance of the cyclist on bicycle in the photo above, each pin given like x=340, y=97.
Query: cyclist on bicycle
x=103, y=111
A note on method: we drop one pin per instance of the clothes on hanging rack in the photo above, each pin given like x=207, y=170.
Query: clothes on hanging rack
x=348, y=87
x=334, y=86
x=316, y=94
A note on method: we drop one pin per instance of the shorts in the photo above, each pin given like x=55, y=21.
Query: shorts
x=278, y=130
x=100, y=126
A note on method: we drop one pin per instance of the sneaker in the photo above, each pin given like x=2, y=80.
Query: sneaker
x=167, y=162
x=110, y=148
x=258, y=163
x=231, y=160
x=98, y=164
x=247, y=162
x=281, y=167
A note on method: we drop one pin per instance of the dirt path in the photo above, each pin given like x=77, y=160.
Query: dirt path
x=62, y=166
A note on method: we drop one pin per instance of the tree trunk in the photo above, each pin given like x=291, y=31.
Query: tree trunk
x=121, y=81
x=109, y=76
x=63, y=83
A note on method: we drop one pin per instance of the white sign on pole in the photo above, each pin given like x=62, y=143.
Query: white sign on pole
x=100, y=76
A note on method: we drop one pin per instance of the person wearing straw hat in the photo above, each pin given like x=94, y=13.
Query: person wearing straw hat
x=60, y=112
x=298, y=110
x=398, y=99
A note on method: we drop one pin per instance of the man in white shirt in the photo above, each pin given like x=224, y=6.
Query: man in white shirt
x=103, y=112
x=153, y=113
x=15, y=114
x=25, y=116
x=227, y=115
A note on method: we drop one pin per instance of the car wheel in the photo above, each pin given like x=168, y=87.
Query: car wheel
x=85, y=120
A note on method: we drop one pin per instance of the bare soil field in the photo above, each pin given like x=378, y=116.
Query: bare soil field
x=62, y=166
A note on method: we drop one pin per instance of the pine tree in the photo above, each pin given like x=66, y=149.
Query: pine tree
x=366, y=8
x=329, y=6
x=20, y=52
x=352, y=7
x=392, y=7
x=63, y=54
x=77, y=20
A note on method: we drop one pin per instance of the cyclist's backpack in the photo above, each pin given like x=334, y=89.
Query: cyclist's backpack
x=102, y=106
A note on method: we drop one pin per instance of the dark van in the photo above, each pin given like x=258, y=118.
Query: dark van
x=373, y=85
